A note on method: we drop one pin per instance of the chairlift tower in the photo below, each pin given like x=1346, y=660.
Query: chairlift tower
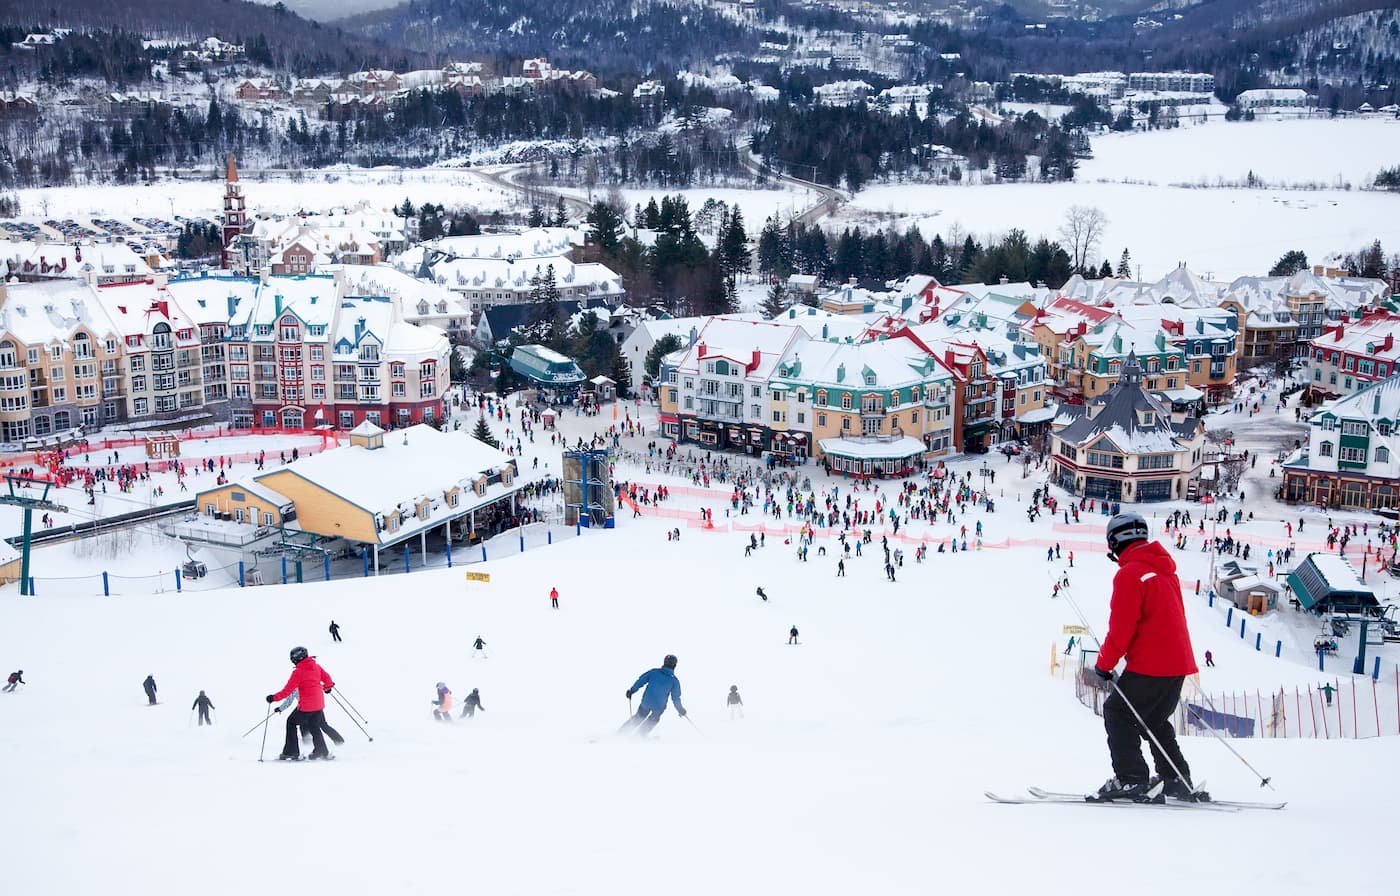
x=30, y=504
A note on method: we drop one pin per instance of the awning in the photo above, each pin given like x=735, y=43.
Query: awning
x=1188, y=393
x=1039, y=415
x=902, y=448
x=977, y=429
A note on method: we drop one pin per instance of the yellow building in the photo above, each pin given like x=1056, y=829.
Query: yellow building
x=383, y=490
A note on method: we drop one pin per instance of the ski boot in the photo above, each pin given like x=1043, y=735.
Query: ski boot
x=1133, y=791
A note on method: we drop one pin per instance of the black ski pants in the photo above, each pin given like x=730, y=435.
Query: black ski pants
x=307, y=721
x=1155, y=699
x=327, y=730
x=204, y=716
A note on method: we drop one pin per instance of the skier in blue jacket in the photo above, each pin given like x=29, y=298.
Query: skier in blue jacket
x=660, y=684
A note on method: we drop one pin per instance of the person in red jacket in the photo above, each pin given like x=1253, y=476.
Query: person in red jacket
x=312, y=684
x=1147, y=625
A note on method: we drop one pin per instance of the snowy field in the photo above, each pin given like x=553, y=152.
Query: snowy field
x=859, y=768
x=1301, y=151
x=316, y=191
x=1221, y=232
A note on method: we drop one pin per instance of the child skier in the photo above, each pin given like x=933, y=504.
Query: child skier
x=443, y=713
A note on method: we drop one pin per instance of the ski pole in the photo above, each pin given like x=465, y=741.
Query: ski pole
x=693, y=725
x=1263, y=781
x=349, y=704
x=264, y=738
x=1124, y=697
x=258, y=725
x=336, y=698
x=190, y=721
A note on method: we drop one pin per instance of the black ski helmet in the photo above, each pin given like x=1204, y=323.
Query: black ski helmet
x=1123, y=530
x=299, y=654
x=670, y=661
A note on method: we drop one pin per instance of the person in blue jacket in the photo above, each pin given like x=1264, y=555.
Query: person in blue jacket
x=660, y=684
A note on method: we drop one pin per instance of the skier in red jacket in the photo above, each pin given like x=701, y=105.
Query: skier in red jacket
x=1147, y=625
x=312, y=684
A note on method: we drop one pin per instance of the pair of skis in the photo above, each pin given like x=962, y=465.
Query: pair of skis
x=1051, y=797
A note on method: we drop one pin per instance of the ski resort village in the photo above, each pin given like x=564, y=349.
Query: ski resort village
x=799, y=448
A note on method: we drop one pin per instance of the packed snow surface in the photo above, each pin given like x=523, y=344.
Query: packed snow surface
x=860, y=767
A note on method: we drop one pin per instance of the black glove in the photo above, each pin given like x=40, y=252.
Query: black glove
x=277, y=709
x=629, y=694
x=270, y=698
x=1105, y=674
x=328, y=690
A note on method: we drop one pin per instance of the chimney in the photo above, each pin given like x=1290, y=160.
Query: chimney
x=232, y=305
x=1389, y=342
x=757, y=356
x=826, y=334
x=359, y=327
x=1340, y=329
x=700, y=352
x=277, y=304
x=840, y=373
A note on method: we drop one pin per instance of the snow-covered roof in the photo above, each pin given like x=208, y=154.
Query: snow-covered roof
x=1135, y=421
x=1339, y=573
x=426, y=464
x=874, y=448
x=48, y=311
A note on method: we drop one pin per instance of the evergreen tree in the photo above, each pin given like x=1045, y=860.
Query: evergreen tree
x=482, y=432
x=561, y=216
x=607, y=227
x=621, y=370
x=1125, y=266
x=1292, y=262
x=536, y=216
x=651, y=366
x=775, y=302
x=733, y=245
x=1106, y=270
x=772, y=249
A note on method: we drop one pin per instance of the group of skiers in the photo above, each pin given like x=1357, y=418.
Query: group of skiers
x=443, y=713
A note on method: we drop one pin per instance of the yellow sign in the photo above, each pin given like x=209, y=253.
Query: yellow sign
x=478, y=577
x=1068, y=629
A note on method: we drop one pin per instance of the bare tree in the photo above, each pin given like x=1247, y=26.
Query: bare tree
x=1083, y=228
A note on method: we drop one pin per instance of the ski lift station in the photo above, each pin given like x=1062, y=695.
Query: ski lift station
x=1327, y=583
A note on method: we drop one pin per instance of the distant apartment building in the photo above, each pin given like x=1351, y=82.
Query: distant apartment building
x=1184, y=82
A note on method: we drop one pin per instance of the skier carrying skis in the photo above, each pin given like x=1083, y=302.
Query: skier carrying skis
x=312, y=684
x=735, y=703
x=660, y=684
x=443, y=713
x=1147, y=625
x=15, y=679
x=150, y=687
x=203, y=704
x=471, y=705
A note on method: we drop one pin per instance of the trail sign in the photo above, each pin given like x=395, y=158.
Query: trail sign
x=1075, y=630
x=478, y=577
